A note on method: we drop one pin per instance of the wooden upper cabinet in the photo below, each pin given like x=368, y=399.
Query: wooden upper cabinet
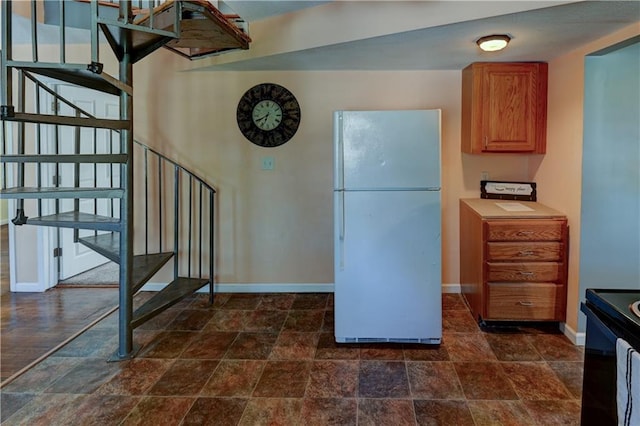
x=504, y=107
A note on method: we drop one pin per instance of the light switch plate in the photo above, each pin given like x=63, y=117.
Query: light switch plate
x=268, y=163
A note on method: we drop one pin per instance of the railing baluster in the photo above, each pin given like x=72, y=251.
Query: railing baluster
x=176, y=219
x=160, y=204
x=146, y=203
x=211, y=247
x=56, y=151
x=111, y=172
x=34, y=30
x=3, y=151
x=37, y=144
x=200, y=229
x=151, y=15
x=189, y=231
x=76, y=174
x=20, y=213
x=6, y=74
x=63, y=33
x=95, y=53
x=95, y=173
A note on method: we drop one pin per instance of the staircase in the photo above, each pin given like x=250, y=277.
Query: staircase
x=171, y=217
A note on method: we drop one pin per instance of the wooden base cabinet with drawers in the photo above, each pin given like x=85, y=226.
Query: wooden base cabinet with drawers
x=513, y=264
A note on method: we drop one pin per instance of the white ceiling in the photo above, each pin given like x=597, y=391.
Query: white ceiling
x=442, y=40
x=537, y=35
x=254, y=10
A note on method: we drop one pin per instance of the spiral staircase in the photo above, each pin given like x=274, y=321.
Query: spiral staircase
x=171, y=217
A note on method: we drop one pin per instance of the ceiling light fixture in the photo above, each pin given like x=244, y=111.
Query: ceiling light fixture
x=494, y=42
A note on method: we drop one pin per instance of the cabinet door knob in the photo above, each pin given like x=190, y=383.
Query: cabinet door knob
x=525, y=303
x=524, y=233
x=526, y=273
x=525, y=253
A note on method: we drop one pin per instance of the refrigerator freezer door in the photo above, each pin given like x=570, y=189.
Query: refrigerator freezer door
x=388, y=266
x=387, y=149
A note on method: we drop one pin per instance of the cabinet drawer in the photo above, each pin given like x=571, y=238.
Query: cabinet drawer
x=532, y=272
x=523, y=301
x=525, y=230
x=524, y=251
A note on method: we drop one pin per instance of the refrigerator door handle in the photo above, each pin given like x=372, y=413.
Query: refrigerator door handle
x=338, y=176
x=341, y=226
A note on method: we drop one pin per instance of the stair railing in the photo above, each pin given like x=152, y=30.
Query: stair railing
x=177, y=209
x=165, y=183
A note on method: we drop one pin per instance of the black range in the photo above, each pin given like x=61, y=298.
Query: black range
x=609, y=317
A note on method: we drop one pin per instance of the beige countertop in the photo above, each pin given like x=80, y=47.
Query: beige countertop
x=499, y=209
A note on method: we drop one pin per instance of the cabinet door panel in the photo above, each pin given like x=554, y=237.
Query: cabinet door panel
x=509, y=110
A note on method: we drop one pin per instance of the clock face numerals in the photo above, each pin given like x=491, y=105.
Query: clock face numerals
x=268, y=115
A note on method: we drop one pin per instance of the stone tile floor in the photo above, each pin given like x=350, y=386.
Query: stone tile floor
x=270, y=359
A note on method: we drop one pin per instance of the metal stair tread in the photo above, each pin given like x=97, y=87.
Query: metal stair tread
x=80, y=77
x=174, y=292
x=65, y=158
x=62, y=120
x=105, y=244
x=79, y=220
x=145, y=266
x=25, y=192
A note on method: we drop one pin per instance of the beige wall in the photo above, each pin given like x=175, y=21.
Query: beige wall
x=559, y=172
x=276, y=226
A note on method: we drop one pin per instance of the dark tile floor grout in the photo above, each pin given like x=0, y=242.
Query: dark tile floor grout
x=253, y=359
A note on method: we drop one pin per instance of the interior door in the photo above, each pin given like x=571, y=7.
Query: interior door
x=77, y=258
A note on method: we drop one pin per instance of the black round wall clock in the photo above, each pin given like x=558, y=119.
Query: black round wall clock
x=268, y=115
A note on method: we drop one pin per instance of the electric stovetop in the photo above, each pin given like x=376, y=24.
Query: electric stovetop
x=619, y=305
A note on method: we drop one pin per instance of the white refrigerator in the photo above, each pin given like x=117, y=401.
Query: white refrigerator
x=387, y=226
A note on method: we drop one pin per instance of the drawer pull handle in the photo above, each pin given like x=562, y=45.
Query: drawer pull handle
x=526, y=253
x=526, y=273
x=524, y=233
x=525, y=303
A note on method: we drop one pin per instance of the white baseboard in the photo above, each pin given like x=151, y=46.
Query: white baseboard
x=577, y=338
x=256, y=288
x=451, y=288
x=276, y=288
x=4, y=221
x=25, y=287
